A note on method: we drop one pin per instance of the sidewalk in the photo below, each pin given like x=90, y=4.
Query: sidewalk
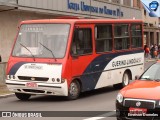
x=150, y=59
x=4, y=92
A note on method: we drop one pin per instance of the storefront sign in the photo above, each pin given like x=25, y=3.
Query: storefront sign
x=82, y=6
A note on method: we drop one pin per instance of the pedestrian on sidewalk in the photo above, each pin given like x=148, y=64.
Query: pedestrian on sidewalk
x=152, y=49
x=155, y=51
x=146, y=51
x=158, y=51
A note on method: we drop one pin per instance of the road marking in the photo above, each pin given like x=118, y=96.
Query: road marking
x=102, y=116
x=94, y=118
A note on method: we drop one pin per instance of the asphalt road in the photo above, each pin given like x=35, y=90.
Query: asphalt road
x=87, y=107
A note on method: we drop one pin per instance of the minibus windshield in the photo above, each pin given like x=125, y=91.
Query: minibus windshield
x=35, y=36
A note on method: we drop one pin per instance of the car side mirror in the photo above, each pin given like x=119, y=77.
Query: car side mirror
x=137, y=77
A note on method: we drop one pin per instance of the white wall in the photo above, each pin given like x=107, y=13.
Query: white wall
x=9, y=22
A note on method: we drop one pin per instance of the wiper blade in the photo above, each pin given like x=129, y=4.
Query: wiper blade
x=146, y=78
x=28, y=50
x=48, y=50
x=157, y=80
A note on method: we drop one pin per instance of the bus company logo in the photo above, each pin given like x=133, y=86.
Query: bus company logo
x=6, y=114
x=153, y=5
x=138, y=104
x=32, y=78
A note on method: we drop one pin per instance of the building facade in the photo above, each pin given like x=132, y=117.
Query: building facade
x=151, y=26
x=12, y=12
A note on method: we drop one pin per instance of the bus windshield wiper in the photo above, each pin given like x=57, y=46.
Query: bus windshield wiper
x=48, y=50
x=27, y=50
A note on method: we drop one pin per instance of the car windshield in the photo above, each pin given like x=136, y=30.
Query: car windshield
x=153, y=73
x=42, y=41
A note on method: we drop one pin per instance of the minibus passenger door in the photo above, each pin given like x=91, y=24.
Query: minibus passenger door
x=81, y=50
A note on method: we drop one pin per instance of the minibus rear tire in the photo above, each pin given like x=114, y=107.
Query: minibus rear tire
x=123, y=84
x=22, y=96
x=74, y=90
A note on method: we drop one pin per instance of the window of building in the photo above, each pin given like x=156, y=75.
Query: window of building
x=136, y=35
x=145, y=13
x=121, y=36
x=103, y=35
x=127, y=2
x=82, y=42
x=136, y=3
x=116, y=1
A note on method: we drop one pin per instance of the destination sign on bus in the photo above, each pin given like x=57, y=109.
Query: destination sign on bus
x=121, y=63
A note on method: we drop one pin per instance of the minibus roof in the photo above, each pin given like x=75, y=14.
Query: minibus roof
x=83, y=21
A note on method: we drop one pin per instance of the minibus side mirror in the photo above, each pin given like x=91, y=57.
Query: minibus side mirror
x=74, y=56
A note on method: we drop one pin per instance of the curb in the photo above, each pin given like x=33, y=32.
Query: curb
x=151, y=60
x=6, y=95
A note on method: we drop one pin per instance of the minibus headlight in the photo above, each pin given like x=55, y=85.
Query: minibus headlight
x=8, y=77
x=53, y=80
x=14, y=77
x=63, y=80
x=58, y=80
x=120, y=98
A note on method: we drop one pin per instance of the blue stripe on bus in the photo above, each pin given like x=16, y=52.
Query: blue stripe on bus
x=92, y=73
x=15, y=68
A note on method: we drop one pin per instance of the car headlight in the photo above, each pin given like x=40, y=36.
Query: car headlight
x=120, y=98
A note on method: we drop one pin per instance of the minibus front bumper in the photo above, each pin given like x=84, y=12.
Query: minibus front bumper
x=38, y=88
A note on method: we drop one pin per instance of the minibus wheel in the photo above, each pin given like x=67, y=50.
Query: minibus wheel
x=125, y=81
x=74, y=90
x=22, y=96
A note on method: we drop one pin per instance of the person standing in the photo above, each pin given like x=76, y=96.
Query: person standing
x=155, y=51
x=158, y=51
x=147, y=51
x=152, y=49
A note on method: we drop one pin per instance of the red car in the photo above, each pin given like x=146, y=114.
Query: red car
x=141, y=98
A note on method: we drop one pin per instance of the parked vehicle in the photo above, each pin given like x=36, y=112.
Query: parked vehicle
x=141, y=98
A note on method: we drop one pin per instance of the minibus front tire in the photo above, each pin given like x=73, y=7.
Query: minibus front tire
x=22, y=96
x=74, y=90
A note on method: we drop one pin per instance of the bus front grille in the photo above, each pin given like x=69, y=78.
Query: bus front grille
x=44, y=79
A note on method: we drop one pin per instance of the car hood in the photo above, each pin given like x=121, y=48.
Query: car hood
x=142, y=90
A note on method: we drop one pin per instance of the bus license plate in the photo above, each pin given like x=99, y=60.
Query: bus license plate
x=137, y=110
x=31, y=85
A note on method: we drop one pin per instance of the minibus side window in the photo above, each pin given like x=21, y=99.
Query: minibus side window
x=136, y=35
x=103, y=36
x=82, y=42
x=121, y=36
